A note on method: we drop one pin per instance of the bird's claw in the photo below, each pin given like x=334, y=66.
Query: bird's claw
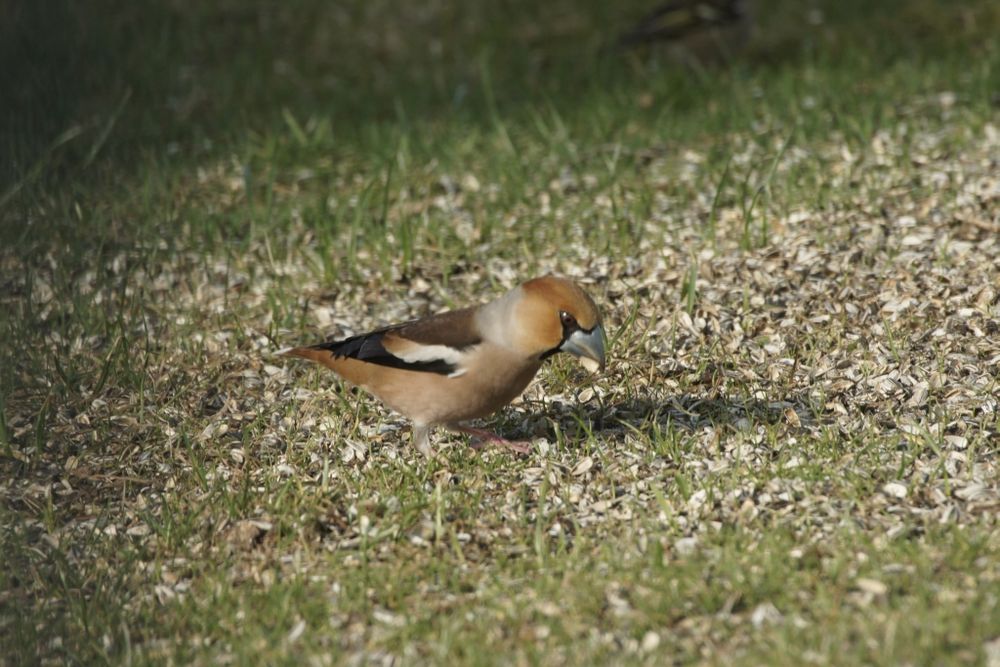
x=480, y=438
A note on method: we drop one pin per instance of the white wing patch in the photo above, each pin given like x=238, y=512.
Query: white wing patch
x=419, y=353
x=424, y=353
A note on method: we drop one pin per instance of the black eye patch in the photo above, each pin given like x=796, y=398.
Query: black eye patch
x=569, y=323
x=569, y=326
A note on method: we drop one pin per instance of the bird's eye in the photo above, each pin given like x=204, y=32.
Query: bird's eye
x=567, y=319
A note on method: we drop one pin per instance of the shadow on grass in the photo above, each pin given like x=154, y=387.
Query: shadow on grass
x=692, y=413
x=679, y=416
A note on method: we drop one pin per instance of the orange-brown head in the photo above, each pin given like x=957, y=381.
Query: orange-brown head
x=553, y=315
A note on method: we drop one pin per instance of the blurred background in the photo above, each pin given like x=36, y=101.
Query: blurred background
x=94, y=83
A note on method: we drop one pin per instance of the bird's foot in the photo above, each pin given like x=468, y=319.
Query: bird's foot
x=482, y=437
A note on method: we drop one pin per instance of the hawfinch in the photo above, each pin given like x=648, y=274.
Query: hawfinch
x=699, y=30
x=465, y=364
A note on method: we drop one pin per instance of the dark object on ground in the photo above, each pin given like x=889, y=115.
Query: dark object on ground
x=700, y=28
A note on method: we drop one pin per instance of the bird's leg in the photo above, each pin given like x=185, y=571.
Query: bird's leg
x=484, y=436
x=422, y=440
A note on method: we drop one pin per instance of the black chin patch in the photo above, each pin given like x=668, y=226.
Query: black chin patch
x=549, y=353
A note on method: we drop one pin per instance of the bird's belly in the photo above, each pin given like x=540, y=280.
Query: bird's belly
x=431, y=398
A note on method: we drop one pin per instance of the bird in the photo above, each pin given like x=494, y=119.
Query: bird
x=699, y=30
x=447, y=369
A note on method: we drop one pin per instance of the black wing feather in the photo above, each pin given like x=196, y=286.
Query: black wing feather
x=451, y=328
x=368, y=348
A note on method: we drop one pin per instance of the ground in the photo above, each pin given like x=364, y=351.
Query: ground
x=791, y=457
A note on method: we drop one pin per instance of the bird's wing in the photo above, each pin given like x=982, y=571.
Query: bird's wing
x=435, y=344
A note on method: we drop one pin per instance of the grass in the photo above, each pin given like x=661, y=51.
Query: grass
x=791, y=459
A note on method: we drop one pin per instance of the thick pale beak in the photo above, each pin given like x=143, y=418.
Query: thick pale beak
x=587, y=347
